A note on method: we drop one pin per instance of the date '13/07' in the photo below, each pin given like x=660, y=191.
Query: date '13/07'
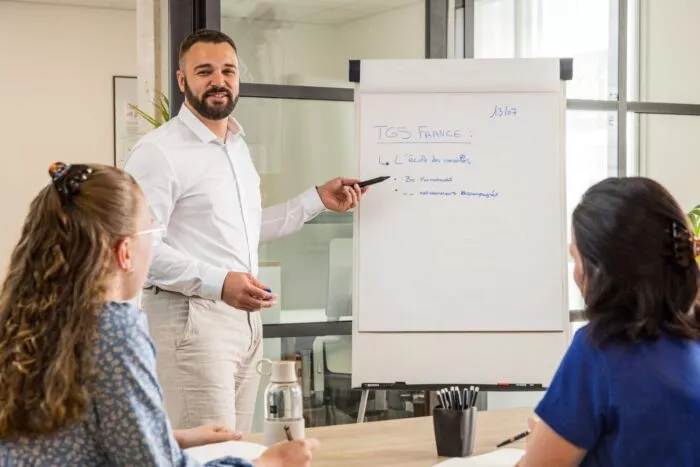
x=504, y=111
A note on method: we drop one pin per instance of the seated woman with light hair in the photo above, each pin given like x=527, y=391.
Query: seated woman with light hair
x=78, y=382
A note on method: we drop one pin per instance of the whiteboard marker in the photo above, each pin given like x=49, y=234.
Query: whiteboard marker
x=372, y=181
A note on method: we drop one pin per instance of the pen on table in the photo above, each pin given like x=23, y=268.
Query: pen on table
x=515, y=438
x=288, y=432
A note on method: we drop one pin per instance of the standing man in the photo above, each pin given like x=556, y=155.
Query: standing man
x=201, y=185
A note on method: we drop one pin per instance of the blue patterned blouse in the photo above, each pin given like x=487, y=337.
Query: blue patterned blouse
x=126, y=424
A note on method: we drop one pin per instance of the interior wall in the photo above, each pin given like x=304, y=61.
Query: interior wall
x=57, y=65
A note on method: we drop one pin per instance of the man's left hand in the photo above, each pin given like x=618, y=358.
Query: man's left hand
x=340, y=194
x=204, y=434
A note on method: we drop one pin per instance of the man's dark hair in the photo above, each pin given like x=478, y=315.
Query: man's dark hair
x=640, y=273
x=208, y=36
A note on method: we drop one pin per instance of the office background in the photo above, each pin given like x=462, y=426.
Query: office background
x=633, y=107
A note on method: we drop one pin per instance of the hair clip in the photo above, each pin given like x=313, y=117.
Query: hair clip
x=67, y=179
x=683, y=245
x=57, y=169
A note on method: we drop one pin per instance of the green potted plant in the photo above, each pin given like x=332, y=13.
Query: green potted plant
x=162, y=104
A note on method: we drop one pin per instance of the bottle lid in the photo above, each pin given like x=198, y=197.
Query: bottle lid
x=283, y=372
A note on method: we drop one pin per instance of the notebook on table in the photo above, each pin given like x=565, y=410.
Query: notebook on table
x=243, y=449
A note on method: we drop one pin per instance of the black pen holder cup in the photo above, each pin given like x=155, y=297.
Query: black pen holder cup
x=455, y=431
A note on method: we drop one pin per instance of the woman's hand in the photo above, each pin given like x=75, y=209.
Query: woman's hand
x=532, y=423
x=205, y=434
x=288, y=454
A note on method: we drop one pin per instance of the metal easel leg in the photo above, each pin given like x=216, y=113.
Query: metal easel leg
x=363, y=406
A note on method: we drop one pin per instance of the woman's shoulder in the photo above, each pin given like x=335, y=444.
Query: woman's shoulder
x=586, y=346
x=583, y=338
x=620, y=352
x=119, y=320
x=122, y=334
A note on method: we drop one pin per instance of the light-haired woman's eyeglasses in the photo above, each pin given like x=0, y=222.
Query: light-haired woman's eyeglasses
x=157, y=234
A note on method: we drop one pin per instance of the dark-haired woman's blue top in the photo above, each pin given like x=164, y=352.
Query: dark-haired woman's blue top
x=628, y=404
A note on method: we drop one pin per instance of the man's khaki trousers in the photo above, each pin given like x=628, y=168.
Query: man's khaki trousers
x=206, y=353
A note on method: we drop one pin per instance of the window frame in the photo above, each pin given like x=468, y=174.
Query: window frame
x=619, y=102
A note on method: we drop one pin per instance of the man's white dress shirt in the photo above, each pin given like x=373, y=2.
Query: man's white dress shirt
x=206, y=193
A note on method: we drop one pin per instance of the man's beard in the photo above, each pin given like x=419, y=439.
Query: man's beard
x=216, y=112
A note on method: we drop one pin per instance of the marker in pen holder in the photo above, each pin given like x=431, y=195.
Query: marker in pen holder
x=455, y=431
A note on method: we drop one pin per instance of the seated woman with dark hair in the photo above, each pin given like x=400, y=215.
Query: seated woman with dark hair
x=627, y=392
x=78, y=382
